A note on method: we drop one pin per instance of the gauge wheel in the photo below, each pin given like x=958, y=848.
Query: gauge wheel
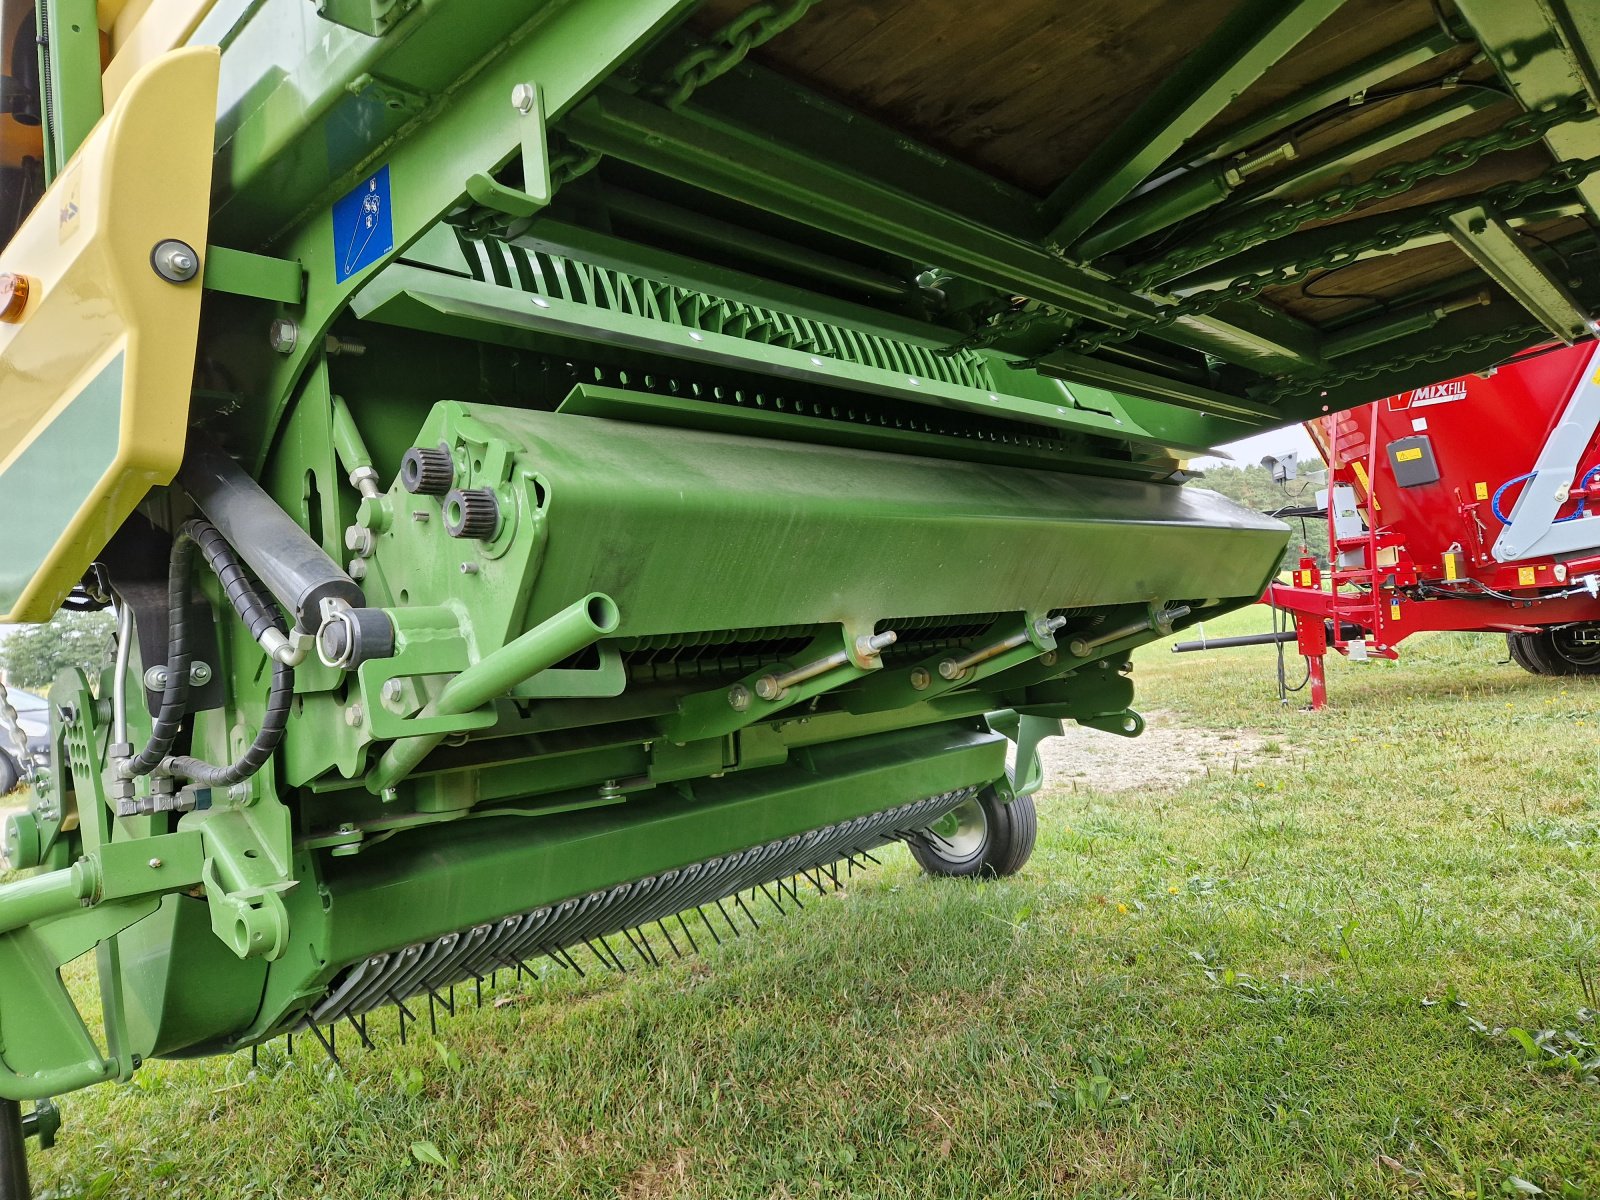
x=1568, y=650
x=10, y=772
x=981, y=838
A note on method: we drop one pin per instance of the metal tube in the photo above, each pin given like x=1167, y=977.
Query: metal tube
x=48, y=895
x=119, y=673
x=1161, y=622
x=771, y=687
x=572, y=629
x=283, y=556
x=352, y=450
x=1225, y=643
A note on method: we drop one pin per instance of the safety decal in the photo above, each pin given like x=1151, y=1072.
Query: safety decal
x=363, y=226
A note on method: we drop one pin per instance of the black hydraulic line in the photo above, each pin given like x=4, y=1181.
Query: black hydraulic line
x=168, y=719
x=280, y=699
x=13, y=1153
x=292, y=566
x=258, y=616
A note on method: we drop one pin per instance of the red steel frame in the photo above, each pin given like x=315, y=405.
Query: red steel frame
x=1379, y=594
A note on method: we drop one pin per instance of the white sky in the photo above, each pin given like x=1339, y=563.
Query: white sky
x=1249, y=451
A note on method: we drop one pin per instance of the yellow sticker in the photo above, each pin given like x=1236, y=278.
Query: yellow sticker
x=1394, y=610
x=1366, y=484
x=1526, y=577
x=1481, y=490
x=1411, y=455
x=1450, y=568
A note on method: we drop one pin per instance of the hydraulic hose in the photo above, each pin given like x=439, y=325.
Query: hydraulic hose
x=175, y=695
x=258, y=616
x=280, y=698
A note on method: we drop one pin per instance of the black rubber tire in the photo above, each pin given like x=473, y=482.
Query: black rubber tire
x=1517, y=647
x=1551, y=652
x=10, y=772
x=13, y=1153
x=1004, y=846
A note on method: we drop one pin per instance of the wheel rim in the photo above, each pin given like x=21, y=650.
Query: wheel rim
x=1578, y=644
x=962, y=831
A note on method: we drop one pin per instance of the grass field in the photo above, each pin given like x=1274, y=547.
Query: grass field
x=1358, y=961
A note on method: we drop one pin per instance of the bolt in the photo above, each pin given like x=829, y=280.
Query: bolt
x=393, y=690
x=390, y=795
x=469, y=568
x=871, y=645
x=353, y=715
x=421, y=518
x=155, y=679
x=739, y=697
x=359, y=541
x=1048, y=658
x=524, y=97
x=920, y=678
x=155, y=864
x=282, y=335
x=199, y=674
x=175, y=261
x=357, y=569
x=1045, y=626
x=768, y=687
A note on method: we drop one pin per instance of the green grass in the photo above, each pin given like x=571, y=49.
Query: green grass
x=1281, y=982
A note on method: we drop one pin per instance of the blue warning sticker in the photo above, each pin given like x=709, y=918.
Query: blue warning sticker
x=363, y=226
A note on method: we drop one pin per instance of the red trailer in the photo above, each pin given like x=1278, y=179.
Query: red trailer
x=1471, y=504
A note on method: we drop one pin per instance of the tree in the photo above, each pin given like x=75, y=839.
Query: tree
x=32, y=654
x=1252, y=487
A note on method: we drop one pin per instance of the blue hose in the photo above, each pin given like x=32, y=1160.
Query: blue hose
x=1494, y=504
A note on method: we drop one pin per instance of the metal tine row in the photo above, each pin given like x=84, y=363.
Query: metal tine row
x=703, y=900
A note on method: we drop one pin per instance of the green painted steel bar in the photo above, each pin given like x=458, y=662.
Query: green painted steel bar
x=739, y=163
x=1193, y=193
x=47, y=895
x=1524, y=39
x=1486, y=238
x=575, y=627
x=257, y=275
x=572, y=48
x=69, y=53
x=1254, y=36
x=1303, y=102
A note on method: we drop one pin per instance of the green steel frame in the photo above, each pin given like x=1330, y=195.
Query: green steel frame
x=822, y=463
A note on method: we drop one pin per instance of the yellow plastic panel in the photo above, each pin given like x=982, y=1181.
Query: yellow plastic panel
x=95, y=378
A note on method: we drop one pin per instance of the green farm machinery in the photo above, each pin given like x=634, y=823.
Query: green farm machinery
x=564, y=470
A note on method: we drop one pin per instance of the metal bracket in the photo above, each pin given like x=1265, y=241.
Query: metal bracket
x=1533, y=531
x=1027, y=775
x=371, y=17
x=1485, y=237
x=537, y=188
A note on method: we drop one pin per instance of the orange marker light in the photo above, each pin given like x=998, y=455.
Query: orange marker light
x=13, y=297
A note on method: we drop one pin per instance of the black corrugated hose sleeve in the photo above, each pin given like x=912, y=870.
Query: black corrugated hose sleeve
x=279, y=700
x=175, y=696
x=259, y=615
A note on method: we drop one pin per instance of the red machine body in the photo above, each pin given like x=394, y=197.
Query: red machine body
x=1471, y=504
